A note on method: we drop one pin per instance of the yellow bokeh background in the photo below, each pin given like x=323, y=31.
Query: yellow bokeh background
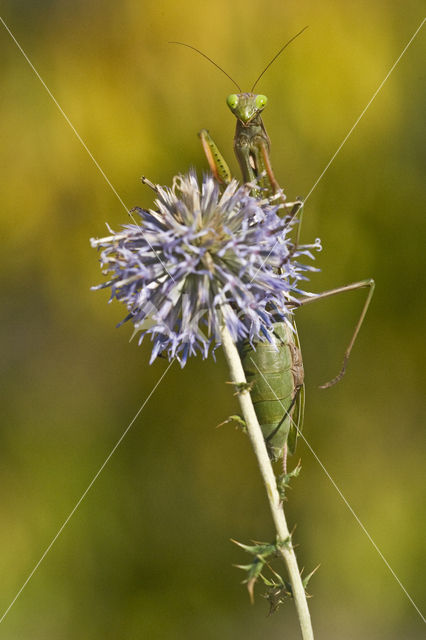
x=147, y=553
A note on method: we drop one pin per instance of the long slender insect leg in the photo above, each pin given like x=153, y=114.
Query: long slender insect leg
x=294, y=207
x=332, y=292
x=263, y=161
x=266, y=163
x=217, y=163
x=259, y=167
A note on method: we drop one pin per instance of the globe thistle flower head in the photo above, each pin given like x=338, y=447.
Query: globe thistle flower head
x=202, y=258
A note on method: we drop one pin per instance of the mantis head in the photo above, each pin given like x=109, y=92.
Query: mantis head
x=246, y=106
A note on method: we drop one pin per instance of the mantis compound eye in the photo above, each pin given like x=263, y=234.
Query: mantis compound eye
x=232, y=101
x=261, y=101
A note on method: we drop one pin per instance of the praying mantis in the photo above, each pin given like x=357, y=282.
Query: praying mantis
x=274, y=369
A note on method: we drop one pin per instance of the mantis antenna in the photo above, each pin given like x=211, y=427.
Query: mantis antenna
x=276, y=56
x=209, y=59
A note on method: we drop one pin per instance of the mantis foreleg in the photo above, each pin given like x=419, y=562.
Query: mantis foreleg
x=217, y=162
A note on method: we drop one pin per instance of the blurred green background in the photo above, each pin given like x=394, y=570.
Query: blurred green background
x=147, y=554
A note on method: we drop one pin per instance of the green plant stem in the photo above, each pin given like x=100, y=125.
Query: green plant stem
x=275, y=504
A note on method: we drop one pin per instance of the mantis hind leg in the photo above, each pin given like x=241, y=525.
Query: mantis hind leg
x=370, y=284
x=217, y=163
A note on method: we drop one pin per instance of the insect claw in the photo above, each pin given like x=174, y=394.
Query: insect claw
x=297, y=205
x=335, y=380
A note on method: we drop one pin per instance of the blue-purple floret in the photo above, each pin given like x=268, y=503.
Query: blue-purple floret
x=202, y=258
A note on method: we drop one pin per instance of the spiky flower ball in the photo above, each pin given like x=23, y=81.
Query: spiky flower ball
x=202, y=258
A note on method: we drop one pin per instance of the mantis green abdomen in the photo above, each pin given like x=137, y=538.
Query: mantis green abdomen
x=274, y=371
